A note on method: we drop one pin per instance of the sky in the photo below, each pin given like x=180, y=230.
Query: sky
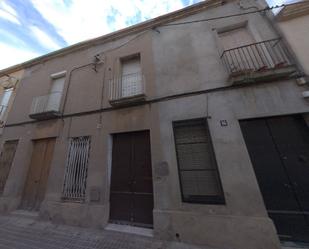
x=31, y=28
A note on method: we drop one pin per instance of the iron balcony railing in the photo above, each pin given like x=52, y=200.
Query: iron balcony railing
x=256, y=57
x=126, y=86
x=46, y=103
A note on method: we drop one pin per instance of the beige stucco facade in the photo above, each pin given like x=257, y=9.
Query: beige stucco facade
x=185, y=79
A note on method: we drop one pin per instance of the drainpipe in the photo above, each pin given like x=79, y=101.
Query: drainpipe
x=96, y=62
x=69, y=83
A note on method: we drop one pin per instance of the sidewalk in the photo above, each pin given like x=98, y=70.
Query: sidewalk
x=26, y=233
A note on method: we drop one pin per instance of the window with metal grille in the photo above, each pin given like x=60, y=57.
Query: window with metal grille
x=74, y=187
x=198, y=172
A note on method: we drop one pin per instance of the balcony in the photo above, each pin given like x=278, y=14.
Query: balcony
x=127, y=89
x=262, y=61
x=46, y=106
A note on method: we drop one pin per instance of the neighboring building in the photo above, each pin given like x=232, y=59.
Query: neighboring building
x=197, y=130
x=293, y=21
x=8, y=85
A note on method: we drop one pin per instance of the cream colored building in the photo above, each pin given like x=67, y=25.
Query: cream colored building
x=196, y=131
x=294, y=23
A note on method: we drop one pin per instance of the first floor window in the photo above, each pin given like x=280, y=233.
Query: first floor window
x=74, y=187
x=131, y=77
x=55, y=93
x=4, y=102
x=198, y=172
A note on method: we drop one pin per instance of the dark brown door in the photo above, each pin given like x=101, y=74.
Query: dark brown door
x=279, y=151
x=131, y=197
x=35, y=186
x=6, y=159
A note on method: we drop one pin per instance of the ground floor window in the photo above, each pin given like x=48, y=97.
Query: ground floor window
x=198, y=172
x=74, y=187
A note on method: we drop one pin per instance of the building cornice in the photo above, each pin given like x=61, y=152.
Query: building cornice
x=137, y=28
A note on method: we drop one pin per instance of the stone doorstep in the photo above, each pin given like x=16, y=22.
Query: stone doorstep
x=292, y=245
x=130, y=229
x=25, y=214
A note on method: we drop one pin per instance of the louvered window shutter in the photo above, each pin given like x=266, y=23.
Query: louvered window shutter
x=199, y=176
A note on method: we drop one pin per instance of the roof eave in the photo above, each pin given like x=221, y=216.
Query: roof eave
x=149, y=24
x=293, y=11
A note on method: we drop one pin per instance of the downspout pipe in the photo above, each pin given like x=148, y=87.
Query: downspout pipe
x=69, y=83
x=94, y=64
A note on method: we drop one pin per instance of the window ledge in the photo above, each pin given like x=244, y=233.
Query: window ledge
x=128, y=100
x=45, y=115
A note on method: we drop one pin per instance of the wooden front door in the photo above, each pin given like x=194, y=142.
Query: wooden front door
x=35, y=186
x=279, y=151
x=131, y=194
x=6, y=159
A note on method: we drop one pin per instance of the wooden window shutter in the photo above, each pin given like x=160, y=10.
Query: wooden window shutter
x=6, y=159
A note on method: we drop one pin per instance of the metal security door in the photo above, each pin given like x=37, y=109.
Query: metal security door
x=35, y=186
x=131, y=197
x=279, y=151
x=6, y=159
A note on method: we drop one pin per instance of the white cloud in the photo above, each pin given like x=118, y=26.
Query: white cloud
x=81, y=20
x=12, y=55
x=44, y=39
x=8, y=13
x=11, y=37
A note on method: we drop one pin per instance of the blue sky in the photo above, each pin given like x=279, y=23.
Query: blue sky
x=30, y=28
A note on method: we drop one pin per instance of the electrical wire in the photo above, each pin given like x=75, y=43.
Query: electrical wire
x=233, y=15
